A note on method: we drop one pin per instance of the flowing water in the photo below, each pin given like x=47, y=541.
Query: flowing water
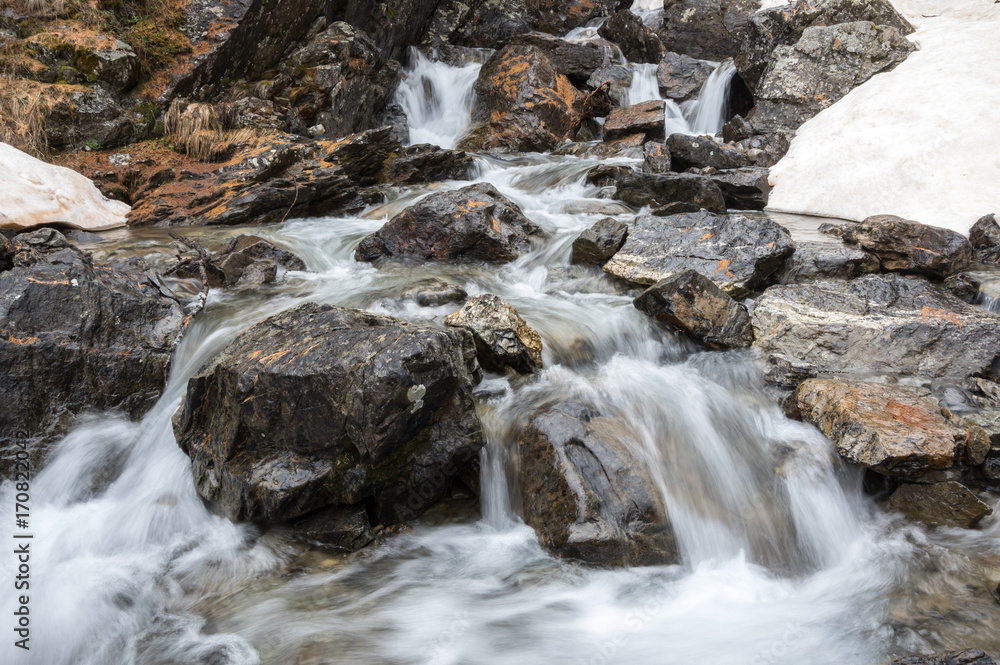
x=785, y=559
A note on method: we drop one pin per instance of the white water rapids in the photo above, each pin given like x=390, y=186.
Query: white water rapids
x=785, y=560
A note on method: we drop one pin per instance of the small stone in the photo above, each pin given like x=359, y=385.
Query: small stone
x=656, y=158
x=503, y=339
x=434, y=292
x=598, y=244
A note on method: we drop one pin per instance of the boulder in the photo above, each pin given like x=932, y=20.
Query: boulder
x=433, y=292
x=585, y=493
x=702, y=151
x=606, y=175
x=670, y=193
x=83, y=118
x=656, y=158
x=823, y=66
x=475, y=223
x=985, y=239
x=86, y=56
x=735, y=251
x=744, y=188
x=987, y=420
x=322, y=406
x=636, y=41
x=344, y=528
x=76, y=335
x=618, y=79
x=680, y=77
x=820, y=260
x=967, y=657
x=503, y=339
x=598, y=244
x=906, y=246
x=889, y=323
x=783, y=26
x=892, y=429
x=38, y=194
x=941, y=504
x=709, y=29
x=646, y=118
x=690, y=302
x=577, y=61
x=241, y=259
x=523, y=104
x=424, y=163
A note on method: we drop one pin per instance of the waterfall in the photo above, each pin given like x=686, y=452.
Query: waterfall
x=437, y=98
x=705, y=115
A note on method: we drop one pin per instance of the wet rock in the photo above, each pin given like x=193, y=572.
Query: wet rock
x=768, y=29
x=787, y=374
x=744, y=188
x=424, y=163
x=823, y=66
x=345, y=528
x=636, y=41
x=523, y=104
x=906, y=246
x=323, y=406
x=737, y=129
x=618, y=79
x=503, y=339
x=670, y=193
x=985, y=239
x=967, y=657
x=709, y=29
x=434, y=292
x=245, y=253
x=576, y=61
x=680, y=77
x=702, y=151
x=737, y=252
x=76, y=335
x=691, y=302
x=645, y=118
x=821, y=260
x=475, y=223
x=606, y=175
x=656, y=158
x=888, y=323
x=598, y=244
x=941, y=504
x=987, y=420
x=892, y=429
x=584, y=492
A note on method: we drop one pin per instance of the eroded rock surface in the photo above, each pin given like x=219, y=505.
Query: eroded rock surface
x=504, y=340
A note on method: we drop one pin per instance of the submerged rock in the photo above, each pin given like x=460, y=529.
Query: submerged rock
x=645, y=118
x=890, y=324
x=247, y=253
x=346, y=528
x=894, y=430
x=906, y=246
x=691, y=302
x=503, y=339
x=76, y=335
x=735, y=251
x=586, y=494
x=941, y=504
x=670, y=193
x=323, y=406
x=598, y=244
x=475, y=223
x=433, y=292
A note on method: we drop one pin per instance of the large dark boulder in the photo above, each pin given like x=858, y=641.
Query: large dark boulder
x=680, y=77
x=821, y=260
x=783, y=26
x=475, y=223
x=637, y=42
x=425, y=163
x=523, y=104
x=885, y=323
x=746, y=188
x=692, y=303
x=707, y=29
x=701, y=151
x=735, y=251
x=823, y=66
x=670, y=193
x=584, y=491
x=577, y=61
x=504, y=340
x=76, y=335
x=907, y=246
x=323, y=406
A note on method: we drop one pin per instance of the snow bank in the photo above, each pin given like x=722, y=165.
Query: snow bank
x=921, y=141
x=33, y=193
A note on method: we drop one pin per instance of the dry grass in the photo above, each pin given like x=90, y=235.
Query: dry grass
x=23, y=109
x=201, y=130
x=37, y=8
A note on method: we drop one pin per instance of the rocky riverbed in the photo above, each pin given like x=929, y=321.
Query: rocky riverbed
x=294, y=386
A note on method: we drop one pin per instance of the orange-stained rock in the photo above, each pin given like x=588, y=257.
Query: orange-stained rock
x=523, y=104
x=646, y=118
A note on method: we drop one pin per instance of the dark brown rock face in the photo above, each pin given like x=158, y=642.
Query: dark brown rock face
x=700, y=151
x=585, y=493
x=692, y=303
x=598, y=244
x=75, y=336
x=646, y=118
x=890, y=324
x=709, y=29
x=576, y=61
x=736, y=252
x=670, y=193
x=745, y=188
x=475, y=223
x=523, y=104
x=906, y=246
x=941, y=504
x=637, y=42
x=425, y=163
x=323, y=406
